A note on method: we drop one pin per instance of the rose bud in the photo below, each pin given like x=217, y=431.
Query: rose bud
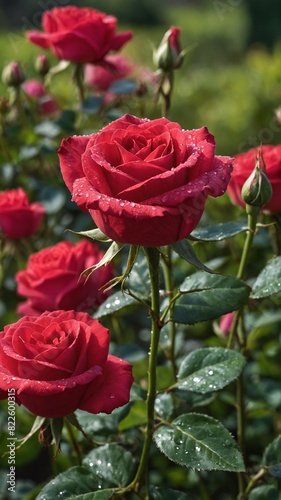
x=42, y=65
x=257, y=190
x=169, y=55
x=13, y=74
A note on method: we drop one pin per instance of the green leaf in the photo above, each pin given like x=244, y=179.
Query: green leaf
x=113, y=250
x=164, y=405
x=66, y=121
x=125, y=86
x=28, y=152
x=111, y=463
x=102, y=422
x=208, y=297
x=115, y=303
x=218, y=232
x=74, y=484
x=168, y=494
x=52, y=198
x=272, y=454
x=136, y=416
x=186, y=251
x=94, y=234
x=200, y=442
x=275, y=471
x=48, y=129
x=269, y=280
x=267, y=492
x=209, y=369
x=91, y=104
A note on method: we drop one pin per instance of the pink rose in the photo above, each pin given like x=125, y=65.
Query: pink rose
x=100, y=77
x=80, y=35
x=47, y=104
x=52, y=279
x=144, y=182
x=19, y=218
x=244, y=164
x=59, y=362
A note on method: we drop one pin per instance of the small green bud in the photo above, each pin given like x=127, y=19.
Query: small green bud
x=42, y=65
x=257, y=190
x=13, y=74
x=169, y=55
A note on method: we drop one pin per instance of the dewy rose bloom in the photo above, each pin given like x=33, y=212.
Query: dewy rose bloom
x=18, y=217
x=52, y=279
x=59, y=362
x=80, y=35
x=144, y=182
x=244, y=164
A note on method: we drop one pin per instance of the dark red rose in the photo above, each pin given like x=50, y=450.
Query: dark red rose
x=18, y=217
x=144, y=182
x=52, y=279
x=59, y=362
x=80, y=35
x=244, y=164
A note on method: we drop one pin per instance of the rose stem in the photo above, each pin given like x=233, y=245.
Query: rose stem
x=73, y=441
x=78, y=79
x=168, y=278
x=152, y=256
x=241, y=416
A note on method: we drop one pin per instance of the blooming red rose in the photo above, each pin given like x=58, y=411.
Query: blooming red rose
x=18, y=217
x=244, y=164
x=47, y=104
x=52, y=279
x=144, y=182
x=59, y=362
x=80, y=35
x=100, y=77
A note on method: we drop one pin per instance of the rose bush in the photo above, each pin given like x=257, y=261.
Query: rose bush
x=244, y=164
x=59, y=362
x=144, y=182
x=52, y=279
x=80, y=35
x=18, y=217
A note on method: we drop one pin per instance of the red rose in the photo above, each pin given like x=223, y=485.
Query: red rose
x=19, y=218
x=59, y=362
x=80, y=35
x=244, y=164
x=52, y=279
x=115, y=68
x=144, y=182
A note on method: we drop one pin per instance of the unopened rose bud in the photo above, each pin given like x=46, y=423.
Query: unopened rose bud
x=257, y=189
x=13, y=74
x=42, y=65
x=169, y=55
x=277, y=116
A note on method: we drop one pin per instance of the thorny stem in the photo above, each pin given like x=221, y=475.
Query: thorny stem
x=167, y=269
x=152, y=255
x=78, y=79
x=241, y=417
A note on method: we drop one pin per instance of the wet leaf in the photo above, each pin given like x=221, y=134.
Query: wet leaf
x=200, y=442
x=209, y=369
x=218, y=232
x=269, y=280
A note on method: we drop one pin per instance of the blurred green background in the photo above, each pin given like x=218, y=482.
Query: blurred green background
x=231, y=77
